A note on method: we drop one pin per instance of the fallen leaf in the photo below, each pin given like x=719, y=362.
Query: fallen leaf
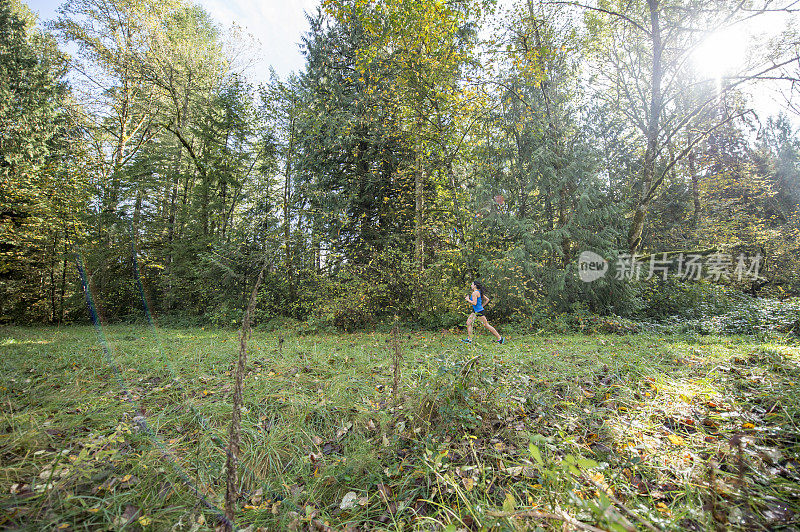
x=468, y=483
x=521, y=471
x=344, y=430
x=676, y=440
x=509, y=504
x=661, y=507
x=329, y=448
x=128, y=481
x=385, y=491
x=128, y=516
x=320, y=526
x=348, y=501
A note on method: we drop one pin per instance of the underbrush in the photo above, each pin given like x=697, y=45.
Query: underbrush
x=763, y=318
x=678, y=432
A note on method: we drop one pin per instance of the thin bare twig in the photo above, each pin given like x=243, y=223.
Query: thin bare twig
x=232, y=462
x=605, y=11
x=398, y=357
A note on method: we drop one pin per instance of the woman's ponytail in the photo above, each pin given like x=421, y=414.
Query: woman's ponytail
x=480, y=287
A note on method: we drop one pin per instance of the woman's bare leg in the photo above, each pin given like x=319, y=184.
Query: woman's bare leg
x=491, y=329
x=470, y=321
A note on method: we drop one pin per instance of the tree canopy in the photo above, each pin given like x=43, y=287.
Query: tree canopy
x=422, y=145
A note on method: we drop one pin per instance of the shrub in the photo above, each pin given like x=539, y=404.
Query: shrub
x=662, y=299
x=451, y=403
x=758, y=316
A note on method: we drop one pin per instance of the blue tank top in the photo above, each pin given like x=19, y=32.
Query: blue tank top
x=478, y=307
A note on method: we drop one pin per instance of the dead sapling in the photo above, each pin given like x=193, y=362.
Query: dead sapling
x=468, y=367
x=397, y=358
x=232, y=462
x=710, y=504
x=737, y=442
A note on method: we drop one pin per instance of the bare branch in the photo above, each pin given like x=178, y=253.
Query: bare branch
x=606, y=11
x=686, y=150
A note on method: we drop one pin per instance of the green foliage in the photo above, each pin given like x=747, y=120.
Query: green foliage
x=353, y=145
x=449, y=405
x=763, y=317
x=361, y=296
x=581, y=320
x=42, y=182
x=401, y=163
x=672, y=297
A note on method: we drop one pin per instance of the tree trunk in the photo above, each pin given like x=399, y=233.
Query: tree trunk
x=287, y=215
x=522, y=210
x=181, y=121
x=653, y=127
x=116, y=165
x=695, y=189
x=53, y=278
x=63, y=283
x=173, y=203
x=137, y=210
x=419, y=191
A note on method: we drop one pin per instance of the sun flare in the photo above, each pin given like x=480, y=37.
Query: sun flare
x=720, y=53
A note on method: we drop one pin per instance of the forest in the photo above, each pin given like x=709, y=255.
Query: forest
x=422, y=146
x=233, y=299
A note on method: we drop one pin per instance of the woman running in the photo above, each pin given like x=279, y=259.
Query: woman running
x=477, y=300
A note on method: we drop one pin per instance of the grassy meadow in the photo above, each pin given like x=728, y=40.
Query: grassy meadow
x=126, y=429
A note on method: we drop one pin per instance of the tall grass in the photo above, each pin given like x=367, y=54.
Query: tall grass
x=602, y=431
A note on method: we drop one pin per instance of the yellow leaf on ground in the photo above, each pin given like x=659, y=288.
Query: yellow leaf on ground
x=676, y=440
x=468, y=483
